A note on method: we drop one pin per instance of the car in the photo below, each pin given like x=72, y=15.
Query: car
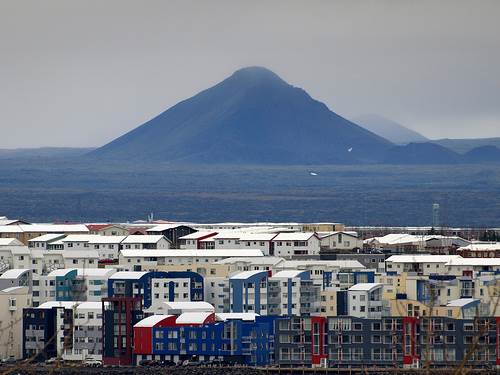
x=90, y=362
x=53, y=360
x=9, y=360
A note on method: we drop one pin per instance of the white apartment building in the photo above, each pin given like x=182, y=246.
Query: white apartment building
x=87, y=332
x=137, y=260
x=12, y=302
x=364, y=300
x=296, y=245
x=146, y=242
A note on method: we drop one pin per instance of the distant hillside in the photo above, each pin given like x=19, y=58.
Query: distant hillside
x=389, y=129
x=43, y=152
x=464, y=145
x=252, y=117
x=421, y=153
x=483, y=154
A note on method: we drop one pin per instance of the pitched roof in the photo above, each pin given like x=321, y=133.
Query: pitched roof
x=146, y=238
x=294, y=236
x=10, y=242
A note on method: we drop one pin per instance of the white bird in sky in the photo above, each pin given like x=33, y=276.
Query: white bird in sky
x=349, y=149
x=313, y=173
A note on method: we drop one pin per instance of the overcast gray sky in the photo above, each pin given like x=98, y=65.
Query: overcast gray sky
x=80, y=73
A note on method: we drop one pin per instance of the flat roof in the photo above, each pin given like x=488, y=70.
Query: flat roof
x=294, y=236
x=191, y=253
x=236, y=316
x=91, y=305
x=190, y=306
x=65, y=304
x=289, y=274
x=421, y=258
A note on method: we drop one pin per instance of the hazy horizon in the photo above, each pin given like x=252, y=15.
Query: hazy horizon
x=79, y=74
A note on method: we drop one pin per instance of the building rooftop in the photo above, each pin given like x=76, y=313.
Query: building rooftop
x=289, y=274
x=196, y=235
x=141, y=239
x=127, y=275
x=462, y=302
x=246, y=275
x=264, y=260
x=186, y=306
x=236, y=316
x=421, y=258
x=91, y=305
x=198, y=317
x=10, y=242
x=61, y=272
x=152, y=320
x=364, y=286
x=65, y=304
x=95, y=272
x=47, y=237
x=13, y=273
x=195, y=253
x=294, y=236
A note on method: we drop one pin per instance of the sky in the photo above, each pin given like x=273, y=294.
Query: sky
x=81, y=73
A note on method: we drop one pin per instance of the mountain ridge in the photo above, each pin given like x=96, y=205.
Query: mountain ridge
x=253, y=116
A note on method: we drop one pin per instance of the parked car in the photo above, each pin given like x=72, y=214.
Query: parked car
x=90, y=362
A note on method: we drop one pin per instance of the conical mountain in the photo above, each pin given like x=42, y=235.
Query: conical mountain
x=252, y=117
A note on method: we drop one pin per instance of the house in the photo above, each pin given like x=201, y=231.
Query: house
x=26, y=232
x=173, y=232
x=297, y=245
x=193, y=240
x=146, y=242
x=107, y=230
x=480, y=250
x=340, y=241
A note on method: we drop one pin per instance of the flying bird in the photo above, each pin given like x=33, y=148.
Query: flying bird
x=313, y=173
x=349, y=149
